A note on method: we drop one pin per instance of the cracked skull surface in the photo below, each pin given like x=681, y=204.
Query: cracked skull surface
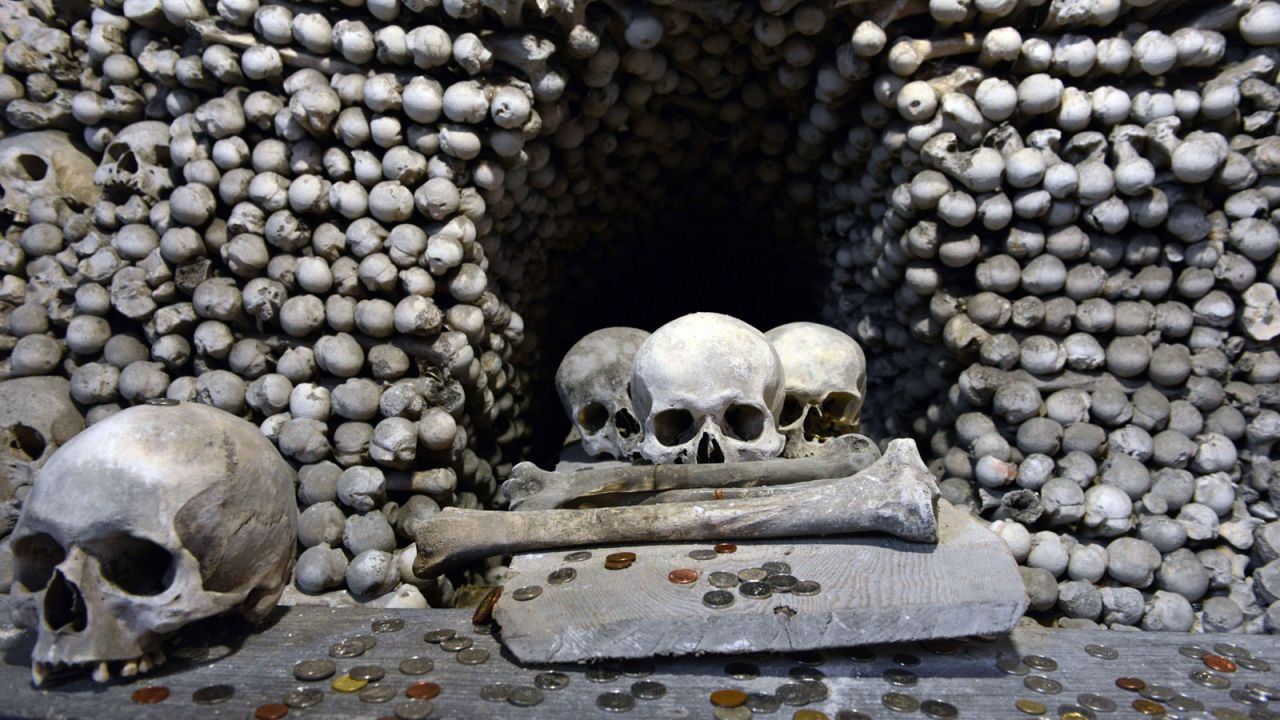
x=826, y=380
x=709, y=388
x=594, y=382
x=149, y=520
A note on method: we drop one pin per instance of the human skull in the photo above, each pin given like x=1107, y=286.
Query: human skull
x=43, y=164
x=136, y=162
x=158, y=516
x=594, y=382
x=709, y=388
x=36, y=418
x=826, y=375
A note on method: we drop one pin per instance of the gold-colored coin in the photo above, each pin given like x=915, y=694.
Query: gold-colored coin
x=1073, y=715
x=807, y=714
x=1030, y=707
x=348, y=684
x=728, y=698
x=1148, y=707
x=484, y=611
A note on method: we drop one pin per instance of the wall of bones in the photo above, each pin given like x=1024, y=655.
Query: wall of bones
x=372, y=225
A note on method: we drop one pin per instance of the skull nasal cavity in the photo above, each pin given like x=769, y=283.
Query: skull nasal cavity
x=626, y=423
x=592, y=417
x=673, y=427
x=128, y=163
x=64, y=605
x=709, y=450
x=33, y=165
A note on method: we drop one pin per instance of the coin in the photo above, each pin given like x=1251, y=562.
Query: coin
x=190, y=653
x=615, y=701
x=1068, y=712
x=438, y=636
x=1226, y=713
x=755, y=590
x=1244, y=697
x=900, y=702
x=551, y=680
x=1040, y=662
x=806, y=673
x=578, y=556
x=414, y=710
x=387, y=625
x=525, y=696
x=150, y=695
x=602, y=673
x=417, y=665
x=794, y=694
x=626, y=556
x=728, y=697
x=1159, y=693
x=900, y=677
x=818, y=692
x=939, y=709
x=1042, y=684
x=1102, y=652
x=484, y=611
x=456, y=644
x=809, y=714
x=1219, y=663
x=473, y=656
x=618, y=564
x=560, y=577
x=346, y=649
x=1011, y=666
x=648, y=689
x=852, y=715
x=1093, y=701
x=485, y=629
x=1231, y=651
x=526, y=593
x=377, y=694
x=368, y=673
x=776, y=567
x=717, y=599
x=162, y=402
x=753, y=574
x=1130, y=683
x=1185, y=704
x=1209, y=679
x=1148, y=707
x=906, y=659
x=638, y=668
x=683, y=576
x=1253, y=663
x=1266, y=692
x=735, y=713
x=1030, y=707
x=806, y=588
x=271, y=711
x=495, y=692
x=348, y=684
x=808, y=657
x=213, y=694
x=701, y=554
x=423, y=690
x=762, y=703
x=314, y=669
x=303, y=697
x=724, y=548
x=742, y=670
x=782, y=583
x=368, y=641
x=1192, y=651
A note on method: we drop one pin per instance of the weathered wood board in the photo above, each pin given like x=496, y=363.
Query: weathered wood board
x=874, y=589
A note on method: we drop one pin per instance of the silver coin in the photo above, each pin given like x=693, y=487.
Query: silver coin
x=525, y=696
x=762, y=703
x=213, y=694
x=699, y=554
x=776, y=567
x=378, y=694
x=755, y=590
x=1040, y=662
x=473, y=656
x=526, y=593
x=1231, y=651
x=368, y=641
x=782, y=583
x=717, y=599
x=742, y=712
x=346, y=649
x=414, y=710
x=495, y=692
x=939, y=709
x=602, y=673
x=1094, y=701
x=753, y=574
x=638, y=668
x=387, y=625
x=1209, y=679
x=438, y=636
x=1102, y=652
x=721, y=579
x=1253, y=663
x=900, y=678
x=795, y=694
x=417, y=665
x=806, y=588
x=303, y=697
x=483, y=629
x=742, y=670
x=310, y=670
x=455, y=644
x=368, y=673
x=1192, y=651
x=648, y=689
x=561, y=576
x=1266, y=692
x=1159, y=693
x=900, y=702
x=616, y=700
x=818, y=692
x=1042, y=684
x=1012, y=666
x=551, y=681
x=578, y=556
x=806, y=673
x=1185, y=704
x=1244, y=697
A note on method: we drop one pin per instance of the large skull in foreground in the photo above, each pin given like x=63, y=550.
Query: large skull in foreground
x=826, y=381
x=709, y=388
x=153, y=518
x=594, y=380
x=43, y=164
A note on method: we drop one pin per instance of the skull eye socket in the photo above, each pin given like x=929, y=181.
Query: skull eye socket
x=135, y=565
x=792, y=409
x=838, y=405
x=626, y=423
x=33, y=166
x=673, y=427
x=35, y=557
x=115, y=150
x=745, y=422
x=592, y=417
x=25, y=441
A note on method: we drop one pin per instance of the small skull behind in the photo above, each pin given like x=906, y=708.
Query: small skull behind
x=594, y=382
x=708, y=388
x=136, y=162
x=826, y=373
x=149, y=520
x=43, y=164
x=36, y=418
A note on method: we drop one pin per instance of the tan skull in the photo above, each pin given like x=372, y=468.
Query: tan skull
x=826, y=375
x=43, y=164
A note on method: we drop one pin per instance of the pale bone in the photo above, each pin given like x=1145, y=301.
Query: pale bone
x=211, y=34
x=531, y=488
x=896, y=495
x=907, y=55
x=826, y=383
x=43, y=164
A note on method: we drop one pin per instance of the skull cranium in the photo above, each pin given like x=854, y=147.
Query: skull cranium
x=136, y=162
x=826, y=373
x=36, y=418
x=594, y=382
x=709, y=388
x=151, y=519
x=43, y=164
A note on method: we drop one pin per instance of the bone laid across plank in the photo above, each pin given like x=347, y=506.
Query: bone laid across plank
x=531, y=488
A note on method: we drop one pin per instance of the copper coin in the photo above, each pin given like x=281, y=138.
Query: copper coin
x=683, y=576
x=484, y=611
x=271, y=711
x=1148, y=707
x=1219, y=663
x=423, y=690
x=723, y=548
x=621, y=557
x=617, y=564
x=728, y=698
x=1130, y=683
x=150, y=695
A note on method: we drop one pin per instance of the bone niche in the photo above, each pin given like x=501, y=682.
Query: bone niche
x=594, y=383
x=158, y=516
x=709, y=388
x=826, y=381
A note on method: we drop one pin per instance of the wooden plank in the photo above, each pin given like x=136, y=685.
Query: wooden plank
x=875, y=589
